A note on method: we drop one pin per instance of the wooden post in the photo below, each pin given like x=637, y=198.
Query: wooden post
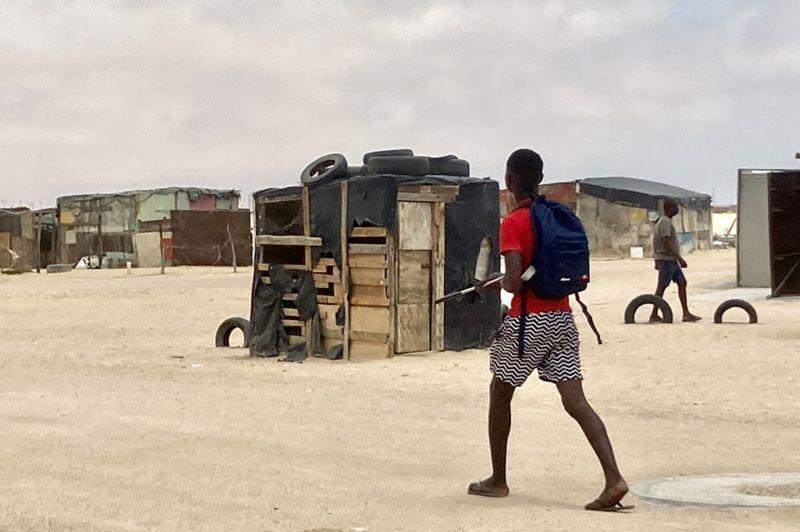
x=233, y=248
x=161, y=243
x=391, y=276
x=345, y=273
x=304, y=205
x=437, y=277
x=306, y=225
x=38, y=251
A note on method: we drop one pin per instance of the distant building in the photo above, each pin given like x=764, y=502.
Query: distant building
x=20, y=233
x=618, y=212
x=194, y=226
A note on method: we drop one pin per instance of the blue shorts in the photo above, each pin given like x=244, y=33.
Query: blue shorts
x=669, y=271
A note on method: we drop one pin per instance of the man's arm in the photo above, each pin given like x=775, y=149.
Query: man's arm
x=512, y=282
x=670, y=245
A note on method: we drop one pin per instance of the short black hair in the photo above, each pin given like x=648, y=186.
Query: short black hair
x=527, y=166
x=671, y=203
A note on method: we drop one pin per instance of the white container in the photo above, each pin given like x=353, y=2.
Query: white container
x=637, y=252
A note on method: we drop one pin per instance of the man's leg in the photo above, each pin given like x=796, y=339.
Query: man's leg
x=500, y=394
x=576, y=406
x=660, y=289
x=687, y=316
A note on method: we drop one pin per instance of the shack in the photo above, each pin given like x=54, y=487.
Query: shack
x=350, y=269
x=768, y=235
x=618, y=213
x=27, y=238
x=185, y=225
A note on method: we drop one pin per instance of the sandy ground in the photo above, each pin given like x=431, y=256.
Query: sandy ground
x=118, y=413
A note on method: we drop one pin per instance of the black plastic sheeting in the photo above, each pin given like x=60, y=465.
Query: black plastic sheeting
x=641, y=192
x=325, y=218
x=267, y=335
x=372, y=200
x=471, y=321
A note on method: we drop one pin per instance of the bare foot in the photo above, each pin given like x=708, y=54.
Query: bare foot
x=490, y=488
x=691, y=318
x=611, y=495
x=656, y=319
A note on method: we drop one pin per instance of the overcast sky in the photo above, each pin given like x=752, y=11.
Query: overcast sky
x=98, y=96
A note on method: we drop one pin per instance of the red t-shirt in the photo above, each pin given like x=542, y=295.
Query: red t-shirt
x=516, y=234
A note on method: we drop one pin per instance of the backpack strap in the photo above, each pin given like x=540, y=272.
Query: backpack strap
x=588, y=318
x=523, y=314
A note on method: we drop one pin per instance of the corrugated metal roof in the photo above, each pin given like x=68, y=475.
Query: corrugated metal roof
x=165, y=190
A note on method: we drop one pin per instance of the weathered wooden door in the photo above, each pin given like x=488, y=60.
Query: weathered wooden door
x=413, y=303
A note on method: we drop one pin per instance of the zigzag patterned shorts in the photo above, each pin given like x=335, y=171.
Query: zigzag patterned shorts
x=551, y=346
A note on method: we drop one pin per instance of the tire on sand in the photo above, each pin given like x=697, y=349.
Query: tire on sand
x=223, y=336
x=736, y=303
x=648, y=299
x=326, y=169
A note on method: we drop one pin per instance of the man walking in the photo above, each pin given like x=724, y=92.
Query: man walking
x=550, y=347
x=669, y=262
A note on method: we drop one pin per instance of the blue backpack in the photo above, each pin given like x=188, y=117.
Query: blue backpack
x=560, y=259
x=561, y=253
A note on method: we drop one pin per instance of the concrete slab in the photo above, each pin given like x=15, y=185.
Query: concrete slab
x=719, y=490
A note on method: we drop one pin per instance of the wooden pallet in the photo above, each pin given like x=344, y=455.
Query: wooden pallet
x=369, y=261
x=293, y=252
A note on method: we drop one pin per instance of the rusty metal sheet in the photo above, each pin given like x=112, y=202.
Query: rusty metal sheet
x=201, y=238
x=203, y=202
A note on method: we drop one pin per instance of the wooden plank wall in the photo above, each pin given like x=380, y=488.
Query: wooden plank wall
x=369, y=259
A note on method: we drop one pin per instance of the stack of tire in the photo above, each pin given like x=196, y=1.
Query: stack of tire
x=333, y=167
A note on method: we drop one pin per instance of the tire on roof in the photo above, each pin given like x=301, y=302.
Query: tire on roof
x=399, y=165
x=396, y=152
x=326, y=169
x=449, y=165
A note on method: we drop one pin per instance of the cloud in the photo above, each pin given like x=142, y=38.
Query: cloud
x=102, y=96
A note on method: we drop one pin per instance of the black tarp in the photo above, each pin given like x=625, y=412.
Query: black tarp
x=470, y=321
x=373, y=200
x=325, y=217
x=641, y=192
x=267, y=335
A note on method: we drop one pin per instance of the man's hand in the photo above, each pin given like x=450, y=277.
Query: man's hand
x=489, y=278
x=682, y=262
